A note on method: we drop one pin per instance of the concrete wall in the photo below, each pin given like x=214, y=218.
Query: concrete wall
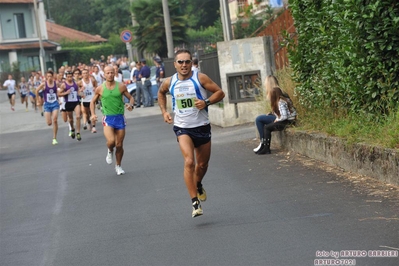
x=8, y=23
x=375, y=162
x=254, y=54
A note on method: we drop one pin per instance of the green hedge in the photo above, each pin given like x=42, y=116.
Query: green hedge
x=347, y=54
x=83, y=54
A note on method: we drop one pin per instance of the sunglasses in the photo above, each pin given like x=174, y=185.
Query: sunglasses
x=181, y=62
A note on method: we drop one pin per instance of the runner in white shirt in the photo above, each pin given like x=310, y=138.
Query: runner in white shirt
x=118, y=75
x=23, y=89
x=9, y=84
x=97, y=75
x=86, y=88
x=39, y=99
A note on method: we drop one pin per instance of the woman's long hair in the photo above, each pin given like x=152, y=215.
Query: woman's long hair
x=275, y=95
x=270, y=82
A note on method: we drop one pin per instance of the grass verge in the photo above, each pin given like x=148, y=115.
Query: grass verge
x=353, y=128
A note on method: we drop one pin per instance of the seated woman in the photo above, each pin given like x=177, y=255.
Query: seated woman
x=283, y=114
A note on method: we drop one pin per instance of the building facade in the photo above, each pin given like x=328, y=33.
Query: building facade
x=20, y=25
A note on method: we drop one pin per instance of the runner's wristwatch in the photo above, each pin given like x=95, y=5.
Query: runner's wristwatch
x=207, y=102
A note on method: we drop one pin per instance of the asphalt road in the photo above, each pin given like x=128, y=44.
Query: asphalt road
x=63, y=205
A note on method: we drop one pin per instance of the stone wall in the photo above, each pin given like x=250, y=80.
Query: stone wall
x=375, y=162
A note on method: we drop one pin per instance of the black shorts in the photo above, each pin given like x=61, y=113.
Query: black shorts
x=23, y=95
x=86, y=104
x=200, y=135
x=70, y=106
x=10, y=95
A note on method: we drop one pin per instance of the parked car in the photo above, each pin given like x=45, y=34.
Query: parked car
x=131, y=87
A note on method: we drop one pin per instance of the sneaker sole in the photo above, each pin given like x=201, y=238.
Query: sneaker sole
x=197, y=214
x=202, y=197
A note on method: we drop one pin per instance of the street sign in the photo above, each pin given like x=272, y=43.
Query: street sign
x=126, y=36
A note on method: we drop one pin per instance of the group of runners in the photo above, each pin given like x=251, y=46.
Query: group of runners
x=69, y=91
x=76, y=93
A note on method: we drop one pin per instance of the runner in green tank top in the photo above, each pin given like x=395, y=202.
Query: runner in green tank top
x=111, y=93
x=111, y=99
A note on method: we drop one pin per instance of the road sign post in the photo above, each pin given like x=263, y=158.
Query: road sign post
x=126, y=37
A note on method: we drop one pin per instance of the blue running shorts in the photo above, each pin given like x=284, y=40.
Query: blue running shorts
x=50, y=107
x=115, y=121
x=200, y=135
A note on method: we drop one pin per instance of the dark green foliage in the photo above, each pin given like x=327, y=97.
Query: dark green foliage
x=102, y=17
x=83, y=54
x=347, y=54
x=249, y=24
x=150, y=31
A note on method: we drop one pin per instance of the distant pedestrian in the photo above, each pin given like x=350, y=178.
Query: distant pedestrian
x=160, y=71
x=195, y=68
x=139, y=86
x=145, y=74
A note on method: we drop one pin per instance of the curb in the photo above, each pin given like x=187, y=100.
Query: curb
x=376, y=162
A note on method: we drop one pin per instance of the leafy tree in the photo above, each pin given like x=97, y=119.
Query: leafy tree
x=111, y=16
x=75, y=14
x=102, y=17
x=150, y=31
x=201, y=14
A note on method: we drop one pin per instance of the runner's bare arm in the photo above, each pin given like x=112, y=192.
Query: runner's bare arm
x=123, y=90
x=97, y=95
x=211, y=86
x=38, y=89
x=94, y=82
x=164, y=88
x=62, y=92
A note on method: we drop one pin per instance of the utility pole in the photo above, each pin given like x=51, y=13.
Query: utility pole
x=48, y=10
x=39, y=32
x=168, y=29
x=135, y=53
x=225, y=18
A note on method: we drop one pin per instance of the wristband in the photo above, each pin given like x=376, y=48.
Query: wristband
x=207, y=102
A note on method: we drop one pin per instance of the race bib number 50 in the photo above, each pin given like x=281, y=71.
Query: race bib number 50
x=185, y=103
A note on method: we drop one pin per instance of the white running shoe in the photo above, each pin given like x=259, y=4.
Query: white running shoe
x=93, y=130
x=108, y=159
x=119, y=170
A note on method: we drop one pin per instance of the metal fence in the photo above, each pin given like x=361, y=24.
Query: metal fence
x=283, y=24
